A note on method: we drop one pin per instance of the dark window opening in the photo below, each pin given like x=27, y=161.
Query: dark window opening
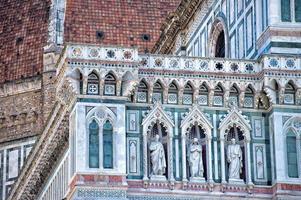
x=220, y=46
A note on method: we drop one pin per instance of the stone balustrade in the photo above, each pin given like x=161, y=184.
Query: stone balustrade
x=170, y=62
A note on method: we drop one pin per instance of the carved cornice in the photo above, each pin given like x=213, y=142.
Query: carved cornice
x=176, y=22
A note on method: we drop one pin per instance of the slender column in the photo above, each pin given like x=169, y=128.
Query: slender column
x=209, y=160
x=145, y=177
x=118, y=87
x=170, y=155
x=85, y=84
x=180, y=96
x=165, y=95
x=298, y=145
x=101, y=86
x=195, y=95
x=184, y=176
x=241, y=99
x=150, y=95
x=249, y=173
x=222, y=140
x=210, y=97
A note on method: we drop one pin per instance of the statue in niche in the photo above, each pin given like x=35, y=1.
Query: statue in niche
x=157, y=157
x=196, y=159
x=234, y=157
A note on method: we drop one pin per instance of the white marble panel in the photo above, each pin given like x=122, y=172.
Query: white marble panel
x=13, y=157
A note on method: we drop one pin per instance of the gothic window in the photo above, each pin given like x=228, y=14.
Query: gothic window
x=234, y=94
x=218, y=96
x=249, y=98
x=291, y=10
x=157, y=92
x=93, y=145
x=173, y=93
x=107, y=145
x=289, y=94
x=203, y=95
x=110, y=85
x=291, y=149
x=188, y=94
x=93, y=84
x=220, y=45
x=142, y=92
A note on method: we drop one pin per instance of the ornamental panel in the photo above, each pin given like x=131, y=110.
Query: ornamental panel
x=133, y=121
x=173, y=98
x=133, y=156
x=218, y=100
x=93, y=88
x=157, y=97
x=248, y=102
x=142, y=97
x=260, y=168
x=203, y=100
x=258, y=127
x=109, y=89
x=187, y=99
x=289, y=99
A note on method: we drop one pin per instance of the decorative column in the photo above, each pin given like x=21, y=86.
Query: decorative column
x=170, y=159
x=298, y=144
x=222, y=141
x=209, y=160
x=210, y=97
x=118, y=87
x=145, y=161
x=85, y=84
x=241, y=100
x=195, y=96
x=150, y=94
x=281, y=95
x=226, y=97
x=101, y=86
x=248, y=163
x=181, y=92
x=184, y=173
x=165, y=95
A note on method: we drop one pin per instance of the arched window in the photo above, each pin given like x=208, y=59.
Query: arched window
x=249, y=98
x=289, y=94
x=218, y=98
x=93, y=145
x=203, y=95
x=142, y=96
x=291, y=150
x=93, y=84
x=233, y=99
x=110, y=85
x=157, y=92
x=220, y=45
x=275, y=88
x=107, y=145
x=173, y=93
x=188, y=94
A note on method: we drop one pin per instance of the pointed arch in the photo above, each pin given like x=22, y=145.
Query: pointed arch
x=218, y=98
x=93, y=84
x=289, y=93
x=218, y=31
x=203, y=94
x=173, y=91
x=188, y=93
x=249, y=97
x=234, y=95
x=142, y=96
x=158, y=89
x=110, y=81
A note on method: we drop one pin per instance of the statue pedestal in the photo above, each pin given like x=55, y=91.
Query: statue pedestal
x=233, y=181
x=197, y=180
x=157, y=178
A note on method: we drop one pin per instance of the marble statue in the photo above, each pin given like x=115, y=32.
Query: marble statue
x=234, y=156
x=196, y=159
x=157, y=157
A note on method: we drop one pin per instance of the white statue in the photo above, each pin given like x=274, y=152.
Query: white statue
x=196, y=159
x=157, y=157
x=234, y=156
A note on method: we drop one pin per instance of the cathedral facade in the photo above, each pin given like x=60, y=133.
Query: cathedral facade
x=170, y=100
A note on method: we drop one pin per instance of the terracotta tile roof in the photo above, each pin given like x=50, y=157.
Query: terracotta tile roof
x=122, y=21
x=23, y=28
x=23, y=32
